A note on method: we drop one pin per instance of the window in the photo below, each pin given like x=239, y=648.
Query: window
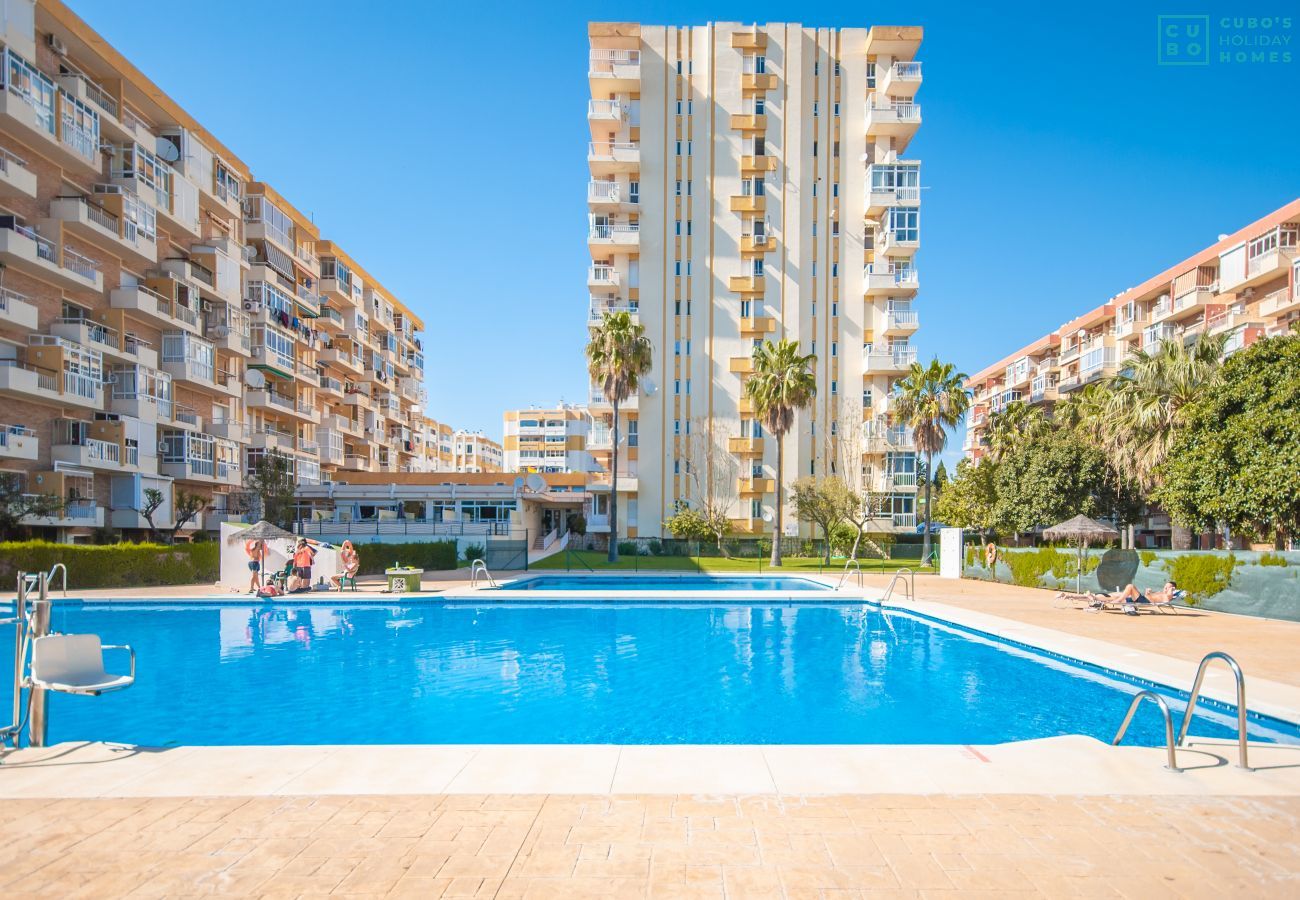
x=679, y=187
x=835, y=308
x=835, y=348
x=755, y=508
x=634, y=191
x=835, y=389
x=677, y=386
x=904, y=224
x=677, y=426
x=677, y=348
x=816, y=108
x=837, y=108
x=688, y=387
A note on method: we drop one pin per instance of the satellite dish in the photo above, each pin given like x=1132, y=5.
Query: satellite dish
x=254, y=379
x=519, y=482
x=535, y=482
x=647, y=386
x=767, y=516
x=249, y=251
x=167, y=150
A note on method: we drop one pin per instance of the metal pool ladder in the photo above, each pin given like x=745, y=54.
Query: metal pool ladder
x=909, y=585
x=478, y=569
x=1172, y=742
x=843, y=578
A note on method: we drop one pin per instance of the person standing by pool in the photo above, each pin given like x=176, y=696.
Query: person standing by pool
x=302, y=560
x=256, y=551
x=351, y=564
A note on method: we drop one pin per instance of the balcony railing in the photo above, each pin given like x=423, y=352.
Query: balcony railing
x=83, y=265
x=606, y=109
x=609, y=63
x=613, y=231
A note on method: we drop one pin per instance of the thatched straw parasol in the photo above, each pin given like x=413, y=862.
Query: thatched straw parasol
x=1085, y=531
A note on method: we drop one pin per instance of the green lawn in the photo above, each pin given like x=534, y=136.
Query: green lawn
x=574, y=561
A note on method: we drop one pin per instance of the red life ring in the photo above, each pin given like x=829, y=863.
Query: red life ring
x=990, y=555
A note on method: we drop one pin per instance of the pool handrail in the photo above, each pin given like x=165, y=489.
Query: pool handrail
x=844, y=576
x=479, y=567
x=50, y=577
x=1172, y=763
x=909, y=586
x=1240, y=679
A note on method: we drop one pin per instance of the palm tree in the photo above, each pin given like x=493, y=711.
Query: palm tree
x=1137, y=413
x=1013, y=425
x=781, y=383
x=930, y=400
x=619, y=355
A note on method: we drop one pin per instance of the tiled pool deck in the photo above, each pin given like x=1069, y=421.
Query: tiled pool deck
x=1061, y=817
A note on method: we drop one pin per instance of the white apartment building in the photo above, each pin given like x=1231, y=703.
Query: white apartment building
x=751, y=183
x=553, y=439
x=473, y=451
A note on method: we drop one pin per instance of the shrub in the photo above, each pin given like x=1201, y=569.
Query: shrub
x=475, y=551
x=1029, y=566
x=114, y=565
x=656, y=548
x=1202, y=574
x=842, y=537
x=375, y=557
x=1272, y=559
x=628, y=548
x=1148, y=557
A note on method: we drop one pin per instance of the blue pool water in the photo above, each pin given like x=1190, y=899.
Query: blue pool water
x=446, y=672
x=666, y=583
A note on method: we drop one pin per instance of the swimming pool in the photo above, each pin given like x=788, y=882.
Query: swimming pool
x=574, y=672
x=665, y=583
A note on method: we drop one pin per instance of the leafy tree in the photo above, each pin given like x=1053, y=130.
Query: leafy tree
x=931, y=400
x=185, y=508
x=1055, y=478
x=619, y=355
x=970, y=499
x=1136, y=415
x=1236, y=459
x=16, y=505
x=782, y=383
x=825, y=503
x=687, y=523
x=1013, y=426
x=270, y=484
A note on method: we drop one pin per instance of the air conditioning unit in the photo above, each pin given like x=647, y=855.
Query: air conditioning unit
x=56, y=44
x=248, y=305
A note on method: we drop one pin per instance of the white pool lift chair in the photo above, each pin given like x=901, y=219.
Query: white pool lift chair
x=74, y=664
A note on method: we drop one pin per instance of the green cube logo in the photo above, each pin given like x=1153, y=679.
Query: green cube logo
x=1183, y=40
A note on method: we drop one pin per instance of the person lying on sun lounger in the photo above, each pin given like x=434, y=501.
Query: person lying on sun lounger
x=1130, y=597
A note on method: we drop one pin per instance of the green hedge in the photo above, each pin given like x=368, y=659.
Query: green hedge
x=428, y=555
x=1029, y=566
x=113, y=565
x=1202, y=575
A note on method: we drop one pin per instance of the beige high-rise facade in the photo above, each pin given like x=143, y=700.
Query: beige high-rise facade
x=549, y=439
x=752, y=183
x=166, y=319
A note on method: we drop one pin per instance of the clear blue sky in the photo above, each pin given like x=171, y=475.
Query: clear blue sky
x=443, y=145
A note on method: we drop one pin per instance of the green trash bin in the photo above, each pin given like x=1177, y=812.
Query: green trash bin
x=404, y=581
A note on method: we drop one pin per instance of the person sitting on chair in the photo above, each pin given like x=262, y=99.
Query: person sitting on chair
x=1131, y=596
x=351, y=564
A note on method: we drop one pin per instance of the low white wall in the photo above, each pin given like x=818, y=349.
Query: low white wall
x=234, y=561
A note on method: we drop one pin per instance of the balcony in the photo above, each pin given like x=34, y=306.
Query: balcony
x=756, y=486
x=605, y=237
x=76, y=513
x=756, y=243
x=18, y=442
x=613, y=157
x=885, y=279
x=28, y=252
x=600, y=482
x=596, y=399
x=746, y=284
x=28, y=114
x=1278, y=303
x=748, y=122
x=757, y=165
x=751, y=326
x=741, y=365
x=91, y=453
x=902, y=79
x=106, y=229
x=613, y=70
x=343, y=358
x=1152, y=335
x=1195, y=300
x=897, y=119
x=757, y=82
x=897, y=41
x=748, y=203
x=153, y=306
x=898, y=243
x=745, y=446
x=749, y=40
x=1042, y=389
x=600, y=307
x=606, y=113
x=1131, y=326
x=747, y=525
x=892, y=184
x=901, y=321
x=609, y=195
x=17, y=310
x=888, y=361
x=603, y=277
x=16, y=180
